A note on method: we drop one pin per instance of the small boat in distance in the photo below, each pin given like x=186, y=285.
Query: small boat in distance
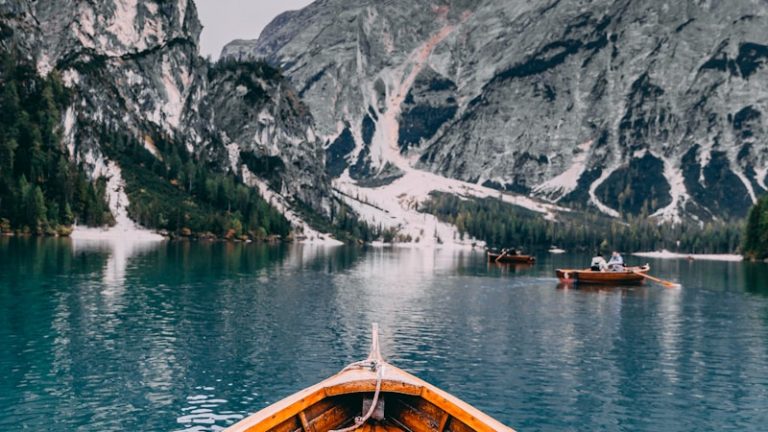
x=370, y=395
x=509, y=257
x=628, y=276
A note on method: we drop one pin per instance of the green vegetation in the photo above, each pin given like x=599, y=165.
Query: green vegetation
x=343, y=224
x=41, y=190
x=182, y=194
x=504, y=225
x=756, y=232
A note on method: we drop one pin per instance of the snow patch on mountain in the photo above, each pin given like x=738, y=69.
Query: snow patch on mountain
x=233, y=155
x=593, y=196
x=566, y=182
x=397, y=204
x=760, y=175
x=747, y=184
x=44, y=66
x=678, y=192
x=124, y=229
x=68, y=137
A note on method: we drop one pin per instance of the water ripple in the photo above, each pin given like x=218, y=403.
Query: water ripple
x=194, y=337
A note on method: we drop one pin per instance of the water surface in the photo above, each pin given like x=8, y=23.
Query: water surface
x=193, y=336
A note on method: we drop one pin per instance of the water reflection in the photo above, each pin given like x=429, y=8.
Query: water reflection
x=195, y=335
x=755, y=278
x=119, y=252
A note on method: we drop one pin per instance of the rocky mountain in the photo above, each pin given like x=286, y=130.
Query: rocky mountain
x=627, y=108
x=134, y=66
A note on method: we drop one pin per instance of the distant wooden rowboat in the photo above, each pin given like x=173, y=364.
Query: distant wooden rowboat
x=629, y=276
x=508, y=258
x=370, y=395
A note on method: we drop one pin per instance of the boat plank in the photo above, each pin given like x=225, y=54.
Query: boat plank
x=333, y=418
x=457, y=426
x=385, y=427
x=289, y=425
x=416, y=413
x=443, y=422
x=293, y=405
x=412, y=419
x=316, y=410
x=304, y=423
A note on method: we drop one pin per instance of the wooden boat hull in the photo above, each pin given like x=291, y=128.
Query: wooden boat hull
x=510, y=259
x=404, y=403
x=587, y=276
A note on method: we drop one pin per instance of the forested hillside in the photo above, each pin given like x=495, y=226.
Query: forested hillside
x=41, y=190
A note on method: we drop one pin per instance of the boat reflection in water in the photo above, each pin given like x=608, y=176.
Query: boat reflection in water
x=510, y=268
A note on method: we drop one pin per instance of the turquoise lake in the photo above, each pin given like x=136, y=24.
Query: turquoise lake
x=178, y=336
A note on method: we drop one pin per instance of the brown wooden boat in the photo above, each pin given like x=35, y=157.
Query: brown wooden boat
x=509, y=258
x=374, y=396
x=629, y=276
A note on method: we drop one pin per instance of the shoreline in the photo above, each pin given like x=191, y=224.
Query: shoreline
x=665, y=254
x=115, y=234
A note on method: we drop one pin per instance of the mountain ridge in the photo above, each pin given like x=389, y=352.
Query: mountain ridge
x=664, y=94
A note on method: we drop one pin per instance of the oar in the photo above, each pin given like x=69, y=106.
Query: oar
x=503, y=254
x=666, y=283
x=568, y=272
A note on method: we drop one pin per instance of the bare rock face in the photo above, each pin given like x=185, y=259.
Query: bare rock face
x=135, y=66
x=257, y=121
x=626, y=107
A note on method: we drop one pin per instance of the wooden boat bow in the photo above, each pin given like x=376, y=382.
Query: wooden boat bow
x=408, y=404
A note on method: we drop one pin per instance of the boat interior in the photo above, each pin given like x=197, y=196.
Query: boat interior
x=394, y=412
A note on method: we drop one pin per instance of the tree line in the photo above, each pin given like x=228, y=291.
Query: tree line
x=505, y=225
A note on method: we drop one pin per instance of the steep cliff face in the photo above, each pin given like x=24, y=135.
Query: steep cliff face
x=624, y=107
x=135, y=66
x=131, y=62
x=258, y=125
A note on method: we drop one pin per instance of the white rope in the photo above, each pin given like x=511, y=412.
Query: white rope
x=359, y=421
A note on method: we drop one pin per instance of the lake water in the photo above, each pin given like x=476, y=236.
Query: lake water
x=193, y=336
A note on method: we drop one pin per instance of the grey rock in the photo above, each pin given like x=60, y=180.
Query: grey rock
x=135, y=66
x=650, y=107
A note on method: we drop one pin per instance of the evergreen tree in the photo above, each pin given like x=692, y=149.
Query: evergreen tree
x=756, y=231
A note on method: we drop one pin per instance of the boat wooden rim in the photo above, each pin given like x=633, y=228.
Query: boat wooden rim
x=295, y=413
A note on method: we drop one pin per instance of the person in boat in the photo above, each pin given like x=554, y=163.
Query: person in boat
x=616, y=263
x=598, y=263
